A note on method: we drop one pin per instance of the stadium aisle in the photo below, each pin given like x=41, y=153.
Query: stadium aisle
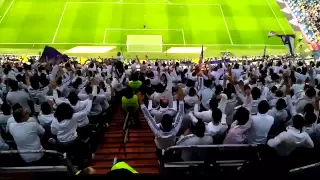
x=140, y=147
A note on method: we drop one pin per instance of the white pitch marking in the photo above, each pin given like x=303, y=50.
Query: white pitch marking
x=168, y=1
x=5, y=13
x=64, y=10
x=184, y=39
x=276, y=16
x=119, y=44
x=173, y=4
x=105, y=36
x=225, y=22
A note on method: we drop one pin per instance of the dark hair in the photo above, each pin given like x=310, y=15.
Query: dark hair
x=192, y=91
x=13, y=85
x=63, y=111
x=6, y=109
x=190, y=83
x=246, y=87
x=128, y=93
x=207, y=83
x=308, y=108
x=200, y=128
x=310, y=118
x=46, y=108
x=88, y=89
x=219, y=89
x=274, y=89
x=242, y=116
x=281, y=104
x=18, y=115
x=214, y=103
x=310, y=92
x=256, y=93
x=216, y=116
x=263, y=107
x=73, y=98
x=298, y=122
x=77, y=83
x=279, y=93
x=135, y=76
x=16, y=106
x=166, y=123
x=34, y=82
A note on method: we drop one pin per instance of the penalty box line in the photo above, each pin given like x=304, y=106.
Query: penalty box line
x=121, y=2
x=132, y=29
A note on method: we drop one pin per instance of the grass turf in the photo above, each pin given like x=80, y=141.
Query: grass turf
x=237, y=26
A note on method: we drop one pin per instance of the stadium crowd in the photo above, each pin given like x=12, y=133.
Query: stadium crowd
x=308, y=13
x=58, y=104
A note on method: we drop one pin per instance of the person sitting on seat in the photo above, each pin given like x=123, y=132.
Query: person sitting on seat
x=6, y=114
x=286, y=142
x=238, y=131
x=195, y=137
x=46, y=116
x=26, y=135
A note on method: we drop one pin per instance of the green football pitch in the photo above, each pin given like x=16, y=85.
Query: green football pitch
x=153, y=26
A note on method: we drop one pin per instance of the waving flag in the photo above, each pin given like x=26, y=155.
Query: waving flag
x=287, y=40
x=201, y=57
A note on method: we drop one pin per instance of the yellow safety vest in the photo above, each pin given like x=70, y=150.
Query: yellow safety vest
x=123, y=165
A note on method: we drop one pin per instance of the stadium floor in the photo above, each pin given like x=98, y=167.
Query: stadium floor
x=146, y=25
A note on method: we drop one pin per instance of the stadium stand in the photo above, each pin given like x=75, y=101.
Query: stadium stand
x=308, y=14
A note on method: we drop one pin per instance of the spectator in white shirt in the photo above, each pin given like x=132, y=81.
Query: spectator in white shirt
x=26, y=135
x=286, y=142
x=261, y=124
x=66, y=122
x=198, y=137
x=165, y=132
x=6, y=114
x=46, y=116
x=16, y=96
x=191, y=100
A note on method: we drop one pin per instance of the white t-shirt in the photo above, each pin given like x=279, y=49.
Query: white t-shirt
x=26, y=136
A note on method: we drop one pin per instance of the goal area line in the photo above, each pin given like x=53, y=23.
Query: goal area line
x=143, y=30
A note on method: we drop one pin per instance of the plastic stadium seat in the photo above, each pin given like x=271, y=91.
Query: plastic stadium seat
x=56, y=165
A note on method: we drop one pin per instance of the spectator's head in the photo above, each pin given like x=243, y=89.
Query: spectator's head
x=63, y=112
x=310, y=92
x=128, y=93
x=263, y=107
x=190, y=83
x=79, y=72
x=164, y=102
x=279, y=93
x=274, y=89
x=16, y=106
x=13, y=85
x=247, y=89
x=214, y=103
x=308, y=108
x=207, y=83
x=46, y=108
x=216, y=116
x=192, y=92
x=6, y=109
x=200, y=128
x=88, y=89
x=298, y=122
x=135, y=76
x=77, y=83
x=34, y=82
x=281, y=104
x=166, y=123
x=21, y=115
x=242, y=116
x=73, y=98
x=256, y=93
x=310, y=118
x=219, y=89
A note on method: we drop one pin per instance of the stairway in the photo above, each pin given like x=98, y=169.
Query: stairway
x=140, y=151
